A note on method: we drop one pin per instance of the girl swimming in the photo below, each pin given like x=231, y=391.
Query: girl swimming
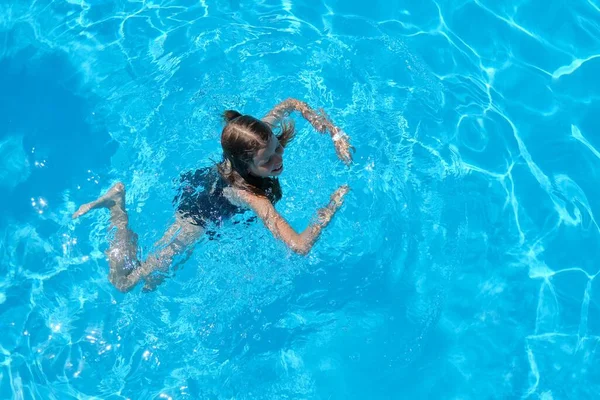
x=246, y=178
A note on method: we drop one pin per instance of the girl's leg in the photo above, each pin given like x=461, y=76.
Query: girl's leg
x=122, y=252
x=174, y=248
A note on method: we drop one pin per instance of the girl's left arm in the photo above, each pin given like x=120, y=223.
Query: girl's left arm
x=302, y=242
x=319, y=120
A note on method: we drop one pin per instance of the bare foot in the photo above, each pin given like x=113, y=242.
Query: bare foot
x=114, y=196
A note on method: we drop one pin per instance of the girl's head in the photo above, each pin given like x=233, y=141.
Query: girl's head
x=253, y=154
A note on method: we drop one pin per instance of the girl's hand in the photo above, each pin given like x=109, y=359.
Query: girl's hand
x=337, y=198
x=342, y=146
x=336, y=201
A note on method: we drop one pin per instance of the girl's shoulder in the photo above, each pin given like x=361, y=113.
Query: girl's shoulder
x=244, y=198
x=237, y=197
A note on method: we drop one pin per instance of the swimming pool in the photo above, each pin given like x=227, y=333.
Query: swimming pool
x=463, y=264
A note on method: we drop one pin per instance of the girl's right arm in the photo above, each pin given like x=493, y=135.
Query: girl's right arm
x=303, y=242
x=319, y=120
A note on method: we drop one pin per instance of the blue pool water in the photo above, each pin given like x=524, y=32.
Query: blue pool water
x=463, y=265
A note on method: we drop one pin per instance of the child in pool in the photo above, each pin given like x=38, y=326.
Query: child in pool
x=245, y=179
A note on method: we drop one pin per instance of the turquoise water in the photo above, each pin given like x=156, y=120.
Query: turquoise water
x=462, y=266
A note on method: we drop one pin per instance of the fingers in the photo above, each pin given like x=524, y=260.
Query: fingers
x=348, y=156
x=344, y=191
x=338, y=195
x=344, y=154
x=337, y=199
x=344, y=150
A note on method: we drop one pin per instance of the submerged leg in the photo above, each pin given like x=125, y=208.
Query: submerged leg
x=122, y=251
x=174, y=248
x=125, y=268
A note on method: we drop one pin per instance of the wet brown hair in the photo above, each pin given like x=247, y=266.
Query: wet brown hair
x=242, y=137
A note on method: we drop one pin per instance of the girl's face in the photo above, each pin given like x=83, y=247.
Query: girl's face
x=268, y=161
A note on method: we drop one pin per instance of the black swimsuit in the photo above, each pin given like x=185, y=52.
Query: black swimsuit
x=200, y=197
